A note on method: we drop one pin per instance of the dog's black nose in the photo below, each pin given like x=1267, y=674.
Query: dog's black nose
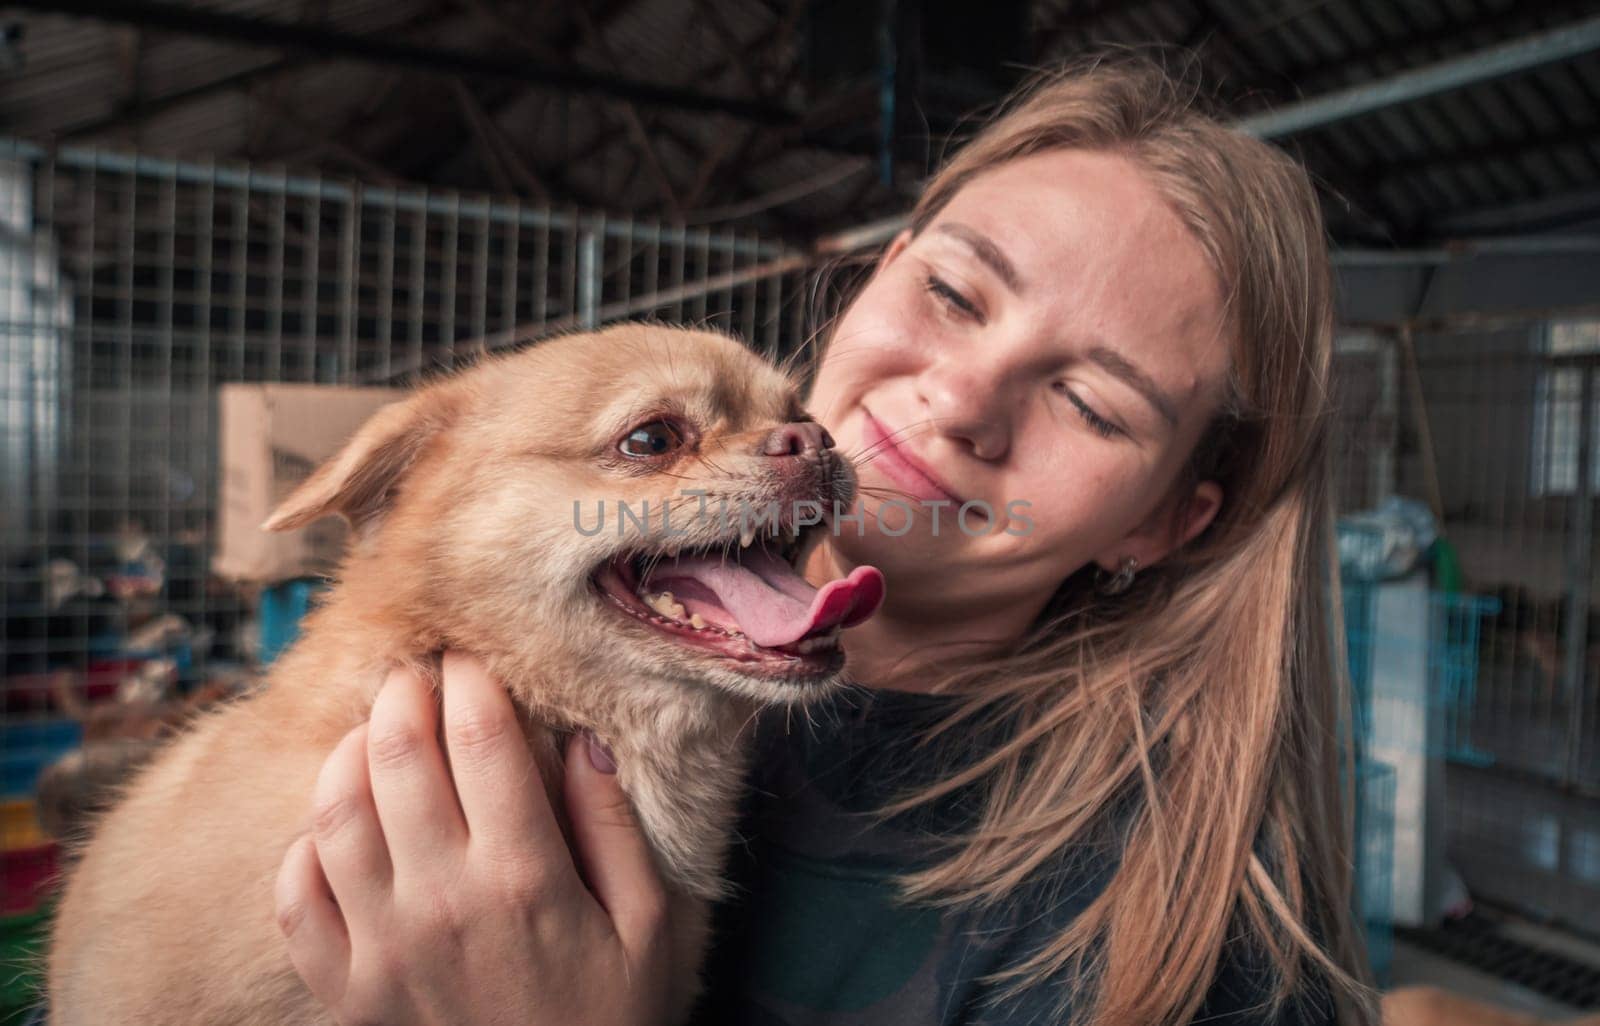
x=803, y=437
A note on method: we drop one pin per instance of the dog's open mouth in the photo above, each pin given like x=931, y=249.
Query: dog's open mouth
x=744, y=600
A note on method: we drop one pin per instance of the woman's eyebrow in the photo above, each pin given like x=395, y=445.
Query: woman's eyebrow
x=1114, y=363
x=984, y=249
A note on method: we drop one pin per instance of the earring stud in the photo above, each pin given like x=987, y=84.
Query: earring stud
x=1121, y=581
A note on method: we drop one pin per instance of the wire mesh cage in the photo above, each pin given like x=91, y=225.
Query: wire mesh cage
x=135, y=287
x=1494, y=423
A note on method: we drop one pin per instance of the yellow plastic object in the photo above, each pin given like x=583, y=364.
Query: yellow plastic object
x=19, y=825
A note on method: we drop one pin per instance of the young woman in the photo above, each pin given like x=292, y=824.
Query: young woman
x=1093, y=771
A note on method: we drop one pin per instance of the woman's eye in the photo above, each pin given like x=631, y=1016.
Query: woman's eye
x=1101, y=426
x=656, y=438
x=951, y=297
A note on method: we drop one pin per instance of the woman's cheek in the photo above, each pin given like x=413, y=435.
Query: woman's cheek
x=902, y=321
x=1097, y=488
x=866, y=347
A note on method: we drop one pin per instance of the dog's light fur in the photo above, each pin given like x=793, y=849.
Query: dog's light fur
x=462, y=497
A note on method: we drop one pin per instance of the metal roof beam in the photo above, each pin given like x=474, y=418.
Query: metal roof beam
x=149, y=108
x=1528, y=215
x=1454, y=73
x=1511, y=149
x=248, y=31
x=1420, y=41
x=1407, y=86
x=152, y=106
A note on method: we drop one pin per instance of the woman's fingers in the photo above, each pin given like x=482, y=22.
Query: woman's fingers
x=411, y=784
x=611, y=845
x=508, y=814
x=350, y=841
x=319, y=944
x=517, y=936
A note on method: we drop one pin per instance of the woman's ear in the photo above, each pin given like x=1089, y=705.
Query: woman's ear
x=1196, y=514
x=1168, y=529
x=360, y=480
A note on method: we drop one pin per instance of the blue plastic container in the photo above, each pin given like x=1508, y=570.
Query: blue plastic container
x=1454, y=628
x=282, y=607
x=26, y=748
x=1453, y=668
x=1374, y=875
x=1360, y=603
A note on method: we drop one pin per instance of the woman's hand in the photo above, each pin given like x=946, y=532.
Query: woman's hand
x=422, y=899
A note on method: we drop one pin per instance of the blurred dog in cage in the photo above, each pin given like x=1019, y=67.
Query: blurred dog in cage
x=472, y=503
x=119, y=736
x=1530, y=633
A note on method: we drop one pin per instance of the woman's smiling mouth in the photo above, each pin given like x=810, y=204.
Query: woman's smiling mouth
x=901, y=466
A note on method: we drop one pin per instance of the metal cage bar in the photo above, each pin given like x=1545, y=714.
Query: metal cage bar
x=132, y=287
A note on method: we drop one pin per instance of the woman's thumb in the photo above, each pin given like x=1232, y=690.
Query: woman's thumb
x=611, y=845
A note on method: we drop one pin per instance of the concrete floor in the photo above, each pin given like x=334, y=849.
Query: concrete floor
x=1413, y=966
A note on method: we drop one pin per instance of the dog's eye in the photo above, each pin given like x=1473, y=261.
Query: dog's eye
x=656, y=438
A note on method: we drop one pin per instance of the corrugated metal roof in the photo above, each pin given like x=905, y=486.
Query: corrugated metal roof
x=1392, y=172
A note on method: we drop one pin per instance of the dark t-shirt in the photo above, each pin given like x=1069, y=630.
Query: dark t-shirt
x=815, y=936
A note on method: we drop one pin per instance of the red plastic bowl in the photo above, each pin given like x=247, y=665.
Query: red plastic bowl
x=27, y=877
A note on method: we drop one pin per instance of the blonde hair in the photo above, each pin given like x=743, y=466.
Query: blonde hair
x=1210, y=690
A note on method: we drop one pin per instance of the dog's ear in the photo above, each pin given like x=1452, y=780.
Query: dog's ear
x=360, y=480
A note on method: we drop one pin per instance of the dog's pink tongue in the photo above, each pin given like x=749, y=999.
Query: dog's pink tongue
x=767, y=600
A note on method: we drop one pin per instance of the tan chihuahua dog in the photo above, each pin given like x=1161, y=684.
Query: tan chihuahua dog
x=486, y=519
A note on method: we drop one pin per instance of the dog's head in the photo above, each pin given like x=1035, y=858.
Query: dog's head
x=643, y=494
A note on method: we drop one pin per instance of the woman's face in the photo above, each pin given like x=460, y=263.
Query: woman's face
x=1050, y=344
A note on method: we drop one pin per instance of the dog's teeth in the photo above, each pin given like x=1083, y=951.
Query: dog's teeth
x=697, y=622
x=746, y=536
x=666, y=605
x=819, y=642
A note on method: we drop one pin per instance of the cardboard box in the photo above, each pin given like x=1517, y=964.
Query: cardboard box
x=272, y=438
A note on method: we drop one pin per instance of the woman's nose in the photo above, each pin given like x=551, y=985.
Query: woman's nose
x=965, y=402
x=800, y=438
